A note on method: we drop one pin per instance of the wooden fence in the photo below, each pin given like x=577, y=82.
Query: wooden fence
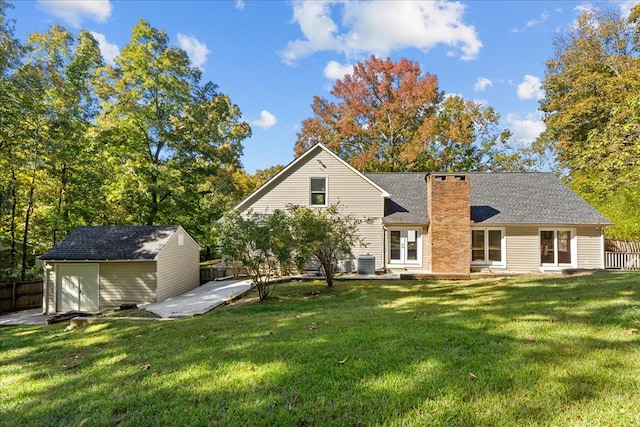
x=622, y=254
x=215, y=270
x=20, y=296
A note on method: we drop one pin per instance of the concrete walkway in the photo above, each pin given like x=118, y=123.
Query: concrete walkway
x=199, y=300
x=25, y=317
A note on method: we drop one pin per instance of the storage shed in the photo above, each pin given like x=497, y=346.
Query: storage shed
x=106, y=266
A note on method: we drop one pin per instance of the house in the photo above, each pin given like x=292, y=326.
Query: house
x=447, y=223
x=100, y=267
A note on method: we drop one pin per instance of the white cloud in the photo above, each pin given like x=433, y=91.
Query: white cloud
x=266, y=121
x=196, y=50
x=482, y=84
x=525, y=129
x=334, y=70
x=380, y=27
x=109, y=50
x=533, y=22
x=74, y=12
x=530, y=88
x=240, y=4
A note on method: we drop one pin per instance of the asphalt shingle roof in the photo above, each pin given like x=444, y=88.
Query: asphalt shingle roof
x=496, y=198
x=102, y=243
x=408, y=202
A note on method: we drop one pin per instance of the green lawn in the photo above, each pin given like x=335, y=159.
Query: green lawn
x=522, y=351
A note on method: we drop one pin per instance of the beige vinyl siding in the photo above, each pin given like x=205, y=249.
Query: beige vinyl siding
x=590, y=247
x=127, y=282
x=355, y=194
x=178, y=266
x=522, y=248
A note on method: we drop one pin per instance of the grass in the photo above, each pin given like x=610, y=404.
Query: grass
x=537, y=351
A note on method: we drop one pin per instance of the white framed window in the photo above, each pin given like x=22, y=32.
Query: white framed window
x=558, y=247
x=180, y=239
x=488, y=246
x=318, y=191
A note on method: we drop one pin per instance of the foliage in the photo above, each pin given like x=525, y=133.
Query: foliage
x=390, y=117
x=261, y=242
x=325, y=234
x=270, y=243
x=84, y=143
x=543, y=351
x=173, y=138
x=592, y=110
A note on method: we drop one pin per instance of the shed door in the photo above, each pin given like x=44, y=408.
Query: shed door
x=78, y=287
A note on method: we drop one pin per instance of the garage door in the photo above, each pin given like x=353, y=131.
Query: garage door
x=77, y=287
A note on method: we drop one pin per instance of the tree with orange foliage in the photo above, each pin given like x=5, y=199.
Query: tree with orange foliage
x=392, y=117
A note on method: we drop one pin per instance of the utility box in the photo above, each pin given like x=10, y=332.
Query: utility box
x=366, y=264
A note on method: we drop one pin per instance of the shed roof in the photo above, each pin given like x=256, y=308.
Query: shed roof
x=496, y=198
x=112, y=243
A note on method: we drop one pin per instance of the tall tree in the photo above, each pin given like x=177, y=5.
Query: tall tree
x=10, y=55
x=49, y=143
x=169, y=134
x=391, y=117
x=591, y=107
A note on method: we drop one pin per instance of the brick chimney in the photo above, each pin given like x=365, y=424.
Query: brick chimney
x=449, y=233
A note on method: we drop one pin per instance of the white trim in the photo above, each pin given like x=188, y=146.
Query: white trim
x=301, y=159
x=573, y=236
x=404, y=239
x=503, y=247
x=326, y=192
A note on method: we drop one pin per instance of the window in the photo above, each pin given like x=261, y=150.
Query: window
x=405, y=246
x=557, y=248
x=180, y=239
x=318, y=195
x=487, y=246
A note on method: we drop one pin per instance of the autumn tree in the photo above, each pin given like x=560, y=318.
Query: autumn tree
x=591, y=111
x=391, y=117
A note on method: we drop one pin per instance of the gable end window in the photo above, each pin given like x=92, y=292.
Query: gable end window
x=318, y=192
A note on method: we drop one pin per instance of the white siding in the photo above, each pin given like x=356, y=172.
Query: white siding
x=590, y=247
x=127, y=282
x=178, y=266
x=355, y=194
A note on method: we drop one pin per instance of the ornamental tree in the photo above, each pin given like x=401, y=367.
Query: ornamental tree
x=324, y=234
x=261, y=242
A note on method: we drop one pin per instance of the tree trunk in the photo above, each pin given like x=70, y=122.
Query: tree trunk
x=12, y=225
x=27, y=219
x=61, y=202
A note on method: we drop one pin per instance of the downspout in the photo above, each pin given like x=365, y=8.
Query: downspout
x=384, y=248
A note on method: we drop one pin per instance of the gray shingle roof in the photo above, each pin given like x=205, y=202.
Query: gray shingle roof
x=408, y=202
x=534, y=198
x=112, y=243
x=496, y=198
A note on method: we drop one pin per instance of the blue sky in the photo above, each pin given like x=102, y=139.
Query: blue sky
x=272, y=57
